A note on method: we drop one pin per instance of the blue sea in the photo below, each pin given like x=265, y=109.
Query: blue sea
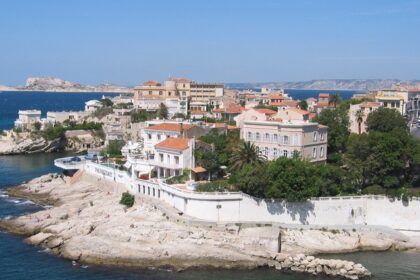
x=24, y=262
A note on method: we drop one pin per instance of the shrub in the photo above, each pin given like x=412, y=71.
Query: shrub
x=180, y=179
x=215, y=186
x=127, y=199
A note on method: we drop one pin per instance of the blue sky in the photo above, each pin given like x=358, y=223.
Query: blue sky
x=128, y=41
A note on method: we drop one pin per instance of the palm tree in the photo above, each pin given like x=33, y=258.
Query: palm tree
x=246, y=153
x=359, y=119
x=335, y=99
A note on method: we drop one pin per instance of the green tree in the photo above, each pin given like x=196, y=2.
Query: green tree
x=337, y=121
x=385, y=120
x=246, y=153
x=334, y=100
x=163, y=111
x=37, y=126
x=303, y=105
x=114, y=148
x=127, y=199
x=106, y=102
x=251, y=179
x=359, y=119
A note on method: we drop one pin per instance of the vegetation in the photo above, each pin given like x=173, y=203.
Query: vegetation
x=127, y=199
x=102, y=112
x=262, y=106
x=214, y=186
x=37, y=126
x=180, y=179
x=385, y=120
x=246, y=153
x=303, y=105
x=106, y=102
x=163, y=111
x=70, y=125
x=114, y=148
x=53, y=132
x=142, y=115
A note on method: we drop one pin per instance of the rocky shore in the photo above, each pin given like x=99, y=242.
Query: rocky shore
x=30, y=146
x=88, y=225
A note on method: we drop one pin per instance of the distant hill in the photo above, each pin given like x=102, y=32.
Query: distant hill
x=352, y=84
x=59, y=85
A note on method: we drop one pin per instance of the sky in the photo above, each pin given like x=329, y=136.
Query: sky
x=130, y=41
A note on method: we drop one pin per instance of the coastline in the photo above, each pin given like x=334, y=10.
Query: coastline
x=87, y=224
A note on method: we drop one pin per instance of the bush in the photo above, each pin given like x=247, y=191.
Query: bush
x=215, y=186
x=127, y=199
x=180, y=179
x=374, y=189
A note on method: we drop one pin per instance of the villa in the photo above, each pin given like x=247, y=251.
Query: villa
x=27, y=119
x=362, y=111
x=93, y=105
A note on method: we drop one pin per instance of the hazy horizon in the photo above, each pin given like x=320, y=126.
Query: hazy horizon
x=93, y=42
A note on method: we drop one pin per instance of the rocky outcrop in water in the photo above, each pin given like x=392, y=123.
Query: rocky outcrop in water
x=60, y=85
x=88, y=225
x=30, y=146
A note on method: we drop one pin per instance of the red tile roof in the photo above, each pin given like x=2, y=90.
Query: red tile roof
x=277, y=96
x=299, y=111
x=230, y=110
x=324, y=95
x=287, y=102
x=170, y=127
x=266, y=111
x=151, y=83
x=370, y=104
x=178, y=144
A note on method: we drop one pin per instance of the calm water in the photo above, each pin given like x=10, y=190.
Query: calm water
x=21, y=261
x=11, y=102
x=300, y=94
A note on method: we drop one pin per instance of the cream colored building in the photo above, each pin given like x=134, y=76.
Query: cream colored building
x=199, y=95
x=365, y=109
x=284, y=139
x=27, y=119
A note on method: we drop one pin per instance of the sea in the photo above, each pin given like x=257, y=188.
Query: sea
x=21, y=261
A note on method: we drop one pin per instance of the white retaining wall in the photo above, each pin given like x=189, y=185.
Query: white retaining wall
x=239, y=207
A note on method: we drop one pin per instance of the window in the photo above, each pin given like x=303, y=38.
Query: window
x=285, y=139
x=169, y=93
x=275, y=138
x=266, y=151
x=267, y=137
x=150, y=92
x=321, y=136
x=176, y=159
x=158, y=136
x=285, y=153
x=295, y=139
x=275, y=153
x=161, y=157
x=314, y=153
x=257, y=136
x=314, y=136
x=249, y=135
x=321, y=152
x=160, y=92
x=149, y=136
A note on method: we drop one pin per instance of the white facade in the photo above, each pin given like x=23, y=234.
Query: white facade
x=92, y=105
x=27, y=118
x=60, y=117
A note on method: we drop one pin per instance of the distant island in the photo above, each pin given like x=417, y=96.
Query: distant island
x=330, y=84
x=59, y=85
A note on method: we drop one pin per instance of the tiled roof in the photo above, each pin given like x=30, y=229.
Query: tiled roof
x=324, y=95
x=230, y=110
x=178, y=144
x=286, y=102
x=277, y=96
x=321, y=104
x=151, y=83
x=299, y=111
x=170, y=127
x=266, y=111
x=199, y=169
x=370, y=104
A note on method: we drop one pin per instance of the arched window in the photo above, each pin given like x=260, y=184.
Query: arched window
x=314, y=136
x=257, y=136
x=285, y=139
x=314, y=153
x=267, y=137
x=275, y=138
x=321, y=152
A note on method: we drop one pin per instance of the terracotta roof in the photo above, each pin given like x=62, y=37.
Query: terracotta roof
x=151, y=83
x=321, y=104
x=199, y=169
x=230, y=110
x=370, y=104
x=178, y=144
x=250, y=96
x=216, y=125
x=232, y=127
x=324, y=95
x=286, y=102
x=170, y=127
x=266, y=111
x=277, y=96
x=300, y=111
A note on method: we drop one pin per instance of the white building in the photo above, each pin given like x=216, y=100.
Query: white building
x=173, y=155
x=60, y=117
x=92, y=105
x=27, y=119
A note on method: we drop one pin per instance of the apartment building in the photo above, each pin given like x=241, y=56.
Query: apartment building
x=199, y=95
x=285, y=139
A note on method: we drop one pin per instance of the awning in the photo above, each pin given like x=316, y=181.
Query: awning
x=199, y=169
